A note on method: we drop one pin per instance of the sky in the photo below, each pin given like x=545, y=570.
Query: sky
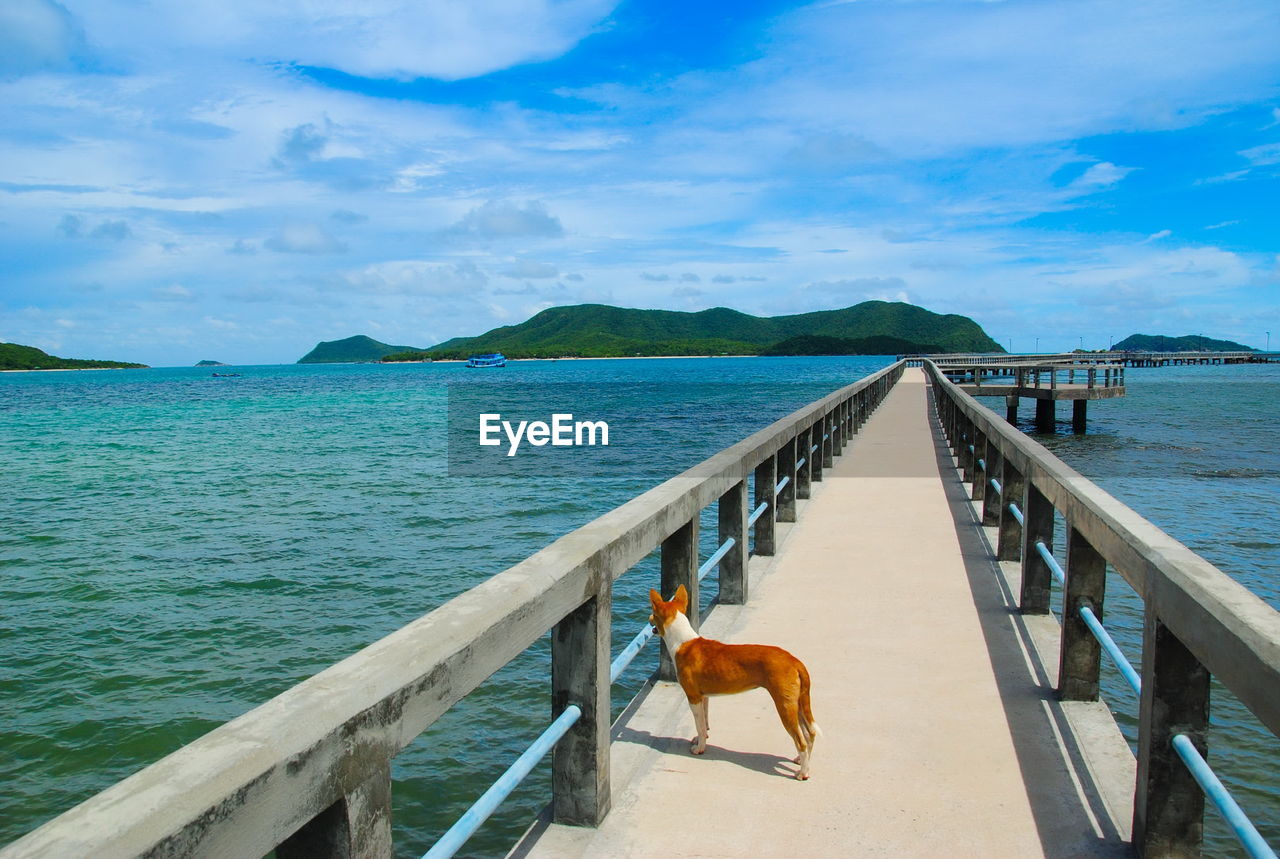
x=235, y=181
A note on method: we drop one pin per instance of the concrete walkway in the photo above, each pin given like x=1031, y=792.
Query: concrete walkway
x=941, y=734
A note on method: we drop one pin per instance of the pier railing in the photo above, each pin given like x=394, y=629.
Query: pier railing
x=308, y=773
x=1198, y=622
x=1036, y=377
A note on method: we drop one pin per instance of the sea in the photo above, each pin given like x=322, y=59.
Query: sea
x=179, y=547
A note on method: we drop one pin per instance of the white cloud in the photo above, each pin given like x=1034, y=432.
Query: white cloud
x=506, y=220
x=1099, y=176
x=530, y=269
x=36, y=35
x=378, y=38
x=173, y=292
x=416, y=278
x=1259, y=156
x=304, y=237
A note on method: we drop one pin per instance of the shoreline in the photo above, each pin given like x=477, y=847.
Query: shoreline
x=613, y=358
x=67, y=369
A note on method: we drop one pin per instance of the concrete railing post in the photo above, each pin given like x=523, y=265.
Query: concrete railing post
x=732, y=514
x=966, y=456
x=827, y=441
x=1009, y=546
x=804, y=473
x=978, y=491
x=680, y=567
x=1081, y=655
x=580, y=675
x=357, y=825
x=992, y=501
x=1168, y=805
x=766, y=479
x=787, y=468
x=837, y=430
x=817, y=461
x=1037, y=580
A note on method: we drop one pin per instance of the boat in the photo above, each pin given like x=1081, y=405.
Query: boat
x=493, y=359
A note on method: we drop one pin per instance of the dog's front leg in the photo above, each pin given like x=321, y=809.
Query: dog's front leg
x=700, y=723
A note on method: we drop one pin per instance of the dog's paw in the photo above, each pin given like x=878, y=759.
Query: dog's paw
x=695, y=749
x=802, y=776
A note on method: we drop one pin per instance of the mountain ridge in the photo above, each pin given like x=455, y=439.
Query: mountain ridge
x=1187, y=343
x=15, y=356
x=601, y=330
x=359, y=349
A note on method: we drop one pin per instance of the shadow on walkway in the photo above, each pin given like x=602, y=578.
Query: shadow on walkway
x=1067, y=798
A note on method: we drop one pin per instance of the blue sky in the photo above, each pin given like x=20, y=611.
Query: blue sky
x=237, y=181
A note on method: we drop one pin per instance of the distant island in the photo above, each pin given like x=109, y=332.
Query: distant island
x=16, y=357
x=603, y=331
x=1189, y=343
x=353, y=350
x=211, y=364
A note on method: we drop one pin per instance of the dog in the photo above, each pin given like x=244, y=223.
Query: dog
x=707, y=667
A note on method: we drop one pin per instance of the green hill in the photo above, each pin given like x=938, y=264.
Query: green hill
x=599, y=331
x=877, y=344
x=16, y=357
x=1189, y=343
x=353, y=350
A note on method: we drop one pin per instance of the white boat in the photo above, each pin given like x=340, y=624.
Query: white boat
x=493, y=359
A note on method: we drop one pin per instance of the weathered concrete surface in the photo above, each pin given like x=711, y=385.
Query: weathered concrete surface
x=941, y=733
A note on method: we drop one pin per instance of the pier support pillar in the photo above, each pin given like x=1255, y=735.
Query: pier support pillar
x=826, y=442
x=1011, y=408
x=1080, y=655
x=1168, y=806
x=1014, y=488
x=733, y=566
x=1037, y=580
x=1079, y=409
x=580, y=675
x=679, y=567
x=978, y=491
x=357, y=825
x=804, y=470
x=816, y=459
x=1045, y=416
x=766, y=479
x=787, y=468
x=992, y=501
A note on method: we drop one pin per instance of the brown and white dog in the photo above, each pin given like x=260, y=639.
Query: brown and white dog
x=707, y=667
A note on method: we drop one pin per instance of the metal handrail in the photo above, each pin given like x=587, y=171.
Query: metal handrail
x=466, y=825
x=1113, y=650
x=1222, y=800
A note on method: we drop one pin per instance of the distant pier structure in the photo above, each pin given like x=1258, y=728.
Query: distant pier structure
x=1074, y=376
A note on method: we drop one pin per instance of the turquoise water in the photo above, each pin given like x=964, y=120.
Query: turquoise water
x=179, y=548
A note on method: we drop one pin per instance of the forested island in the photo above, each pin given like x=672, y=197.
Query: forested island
x=602, y=331
x=1189, y=343
x=17, y=357
x=353, y=350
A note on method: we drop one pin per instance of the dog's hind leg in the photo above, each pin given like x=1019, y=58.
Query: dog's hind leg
x=789, y=712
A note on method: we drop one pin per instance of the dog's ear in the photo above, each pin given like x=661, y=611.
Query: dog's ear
x=681, y=599
x=655, y=598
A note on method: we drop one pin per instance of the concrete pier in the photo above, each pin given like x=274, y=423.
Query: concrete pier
x=941, y=730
